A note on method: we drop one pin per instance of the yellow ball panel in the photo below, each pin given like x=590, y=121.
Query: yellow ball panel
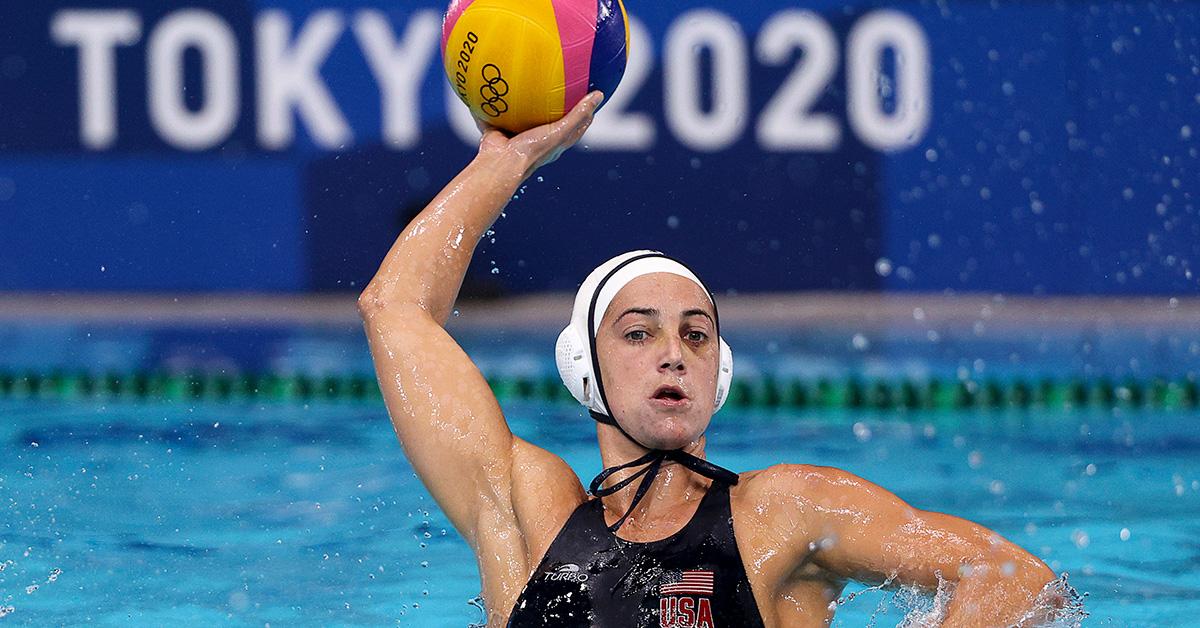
x=507, y=66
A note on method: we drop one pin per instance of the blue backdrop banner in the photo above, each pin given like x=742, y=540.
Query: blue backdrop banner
x=220, y=145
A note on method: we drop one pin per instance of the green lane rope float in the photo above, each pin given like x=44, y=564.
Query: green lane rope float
x=765, y=392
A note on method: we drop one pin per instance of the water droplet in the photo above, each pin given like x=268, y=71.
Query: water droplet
x=673, y=222
x=495, y=271
x=1124, y=534
x=883, y=267
x=1080, y=539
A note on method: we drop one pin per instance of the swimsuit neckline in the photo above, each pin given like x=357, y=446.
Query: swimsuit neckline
x=713, y=487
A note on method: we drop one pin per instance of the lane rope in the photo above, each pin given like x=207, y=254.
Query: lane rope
x=1059, y=393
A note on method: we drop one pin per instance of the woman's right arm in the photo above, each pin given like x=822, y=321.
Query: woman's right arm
x=445, y=415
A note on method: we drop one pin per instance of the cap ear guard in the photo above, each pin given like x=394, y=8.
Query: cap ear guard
x=724, y=375
x=574, y=363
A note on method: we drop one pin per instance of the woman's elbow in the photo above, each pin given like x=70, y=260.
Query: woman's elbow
x=1042, y=601
x=380, y=296
x=1022, y=579
x=398, y=316
x=1030, y=570
x=370, y=301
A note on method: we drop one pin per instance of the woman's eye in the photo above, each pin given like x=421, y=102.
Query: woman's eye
x=637, y=335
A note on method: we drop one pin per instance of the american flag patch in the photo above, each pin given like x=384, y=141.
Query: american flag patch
x=691, y=582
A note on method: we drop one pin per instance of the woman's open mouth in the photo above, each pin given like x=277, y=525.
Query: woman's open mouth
x=669, y=397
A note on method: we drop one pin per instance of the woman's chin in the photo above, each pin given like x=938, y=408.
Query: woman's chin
x=672, y=433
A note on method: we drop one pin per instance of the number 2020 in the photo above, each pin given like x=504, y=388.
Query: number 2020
x=787, y=122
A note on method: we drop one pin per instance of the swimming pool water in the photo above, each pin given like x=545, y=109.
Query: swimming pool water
x=254, y=514
x=247, y=513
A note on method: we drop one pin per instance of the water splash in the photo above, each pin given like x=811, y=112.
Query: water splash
x=924, y=610
x=8, y=609
x=880, y=609
x=481, y=606
x=1058, y=605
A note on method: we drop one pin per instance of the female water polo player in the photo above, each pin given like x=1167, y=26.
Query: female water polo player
x=666, y=538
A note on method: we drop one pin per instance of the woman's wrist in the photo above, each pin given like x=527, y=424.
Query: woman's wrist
x=506, y=166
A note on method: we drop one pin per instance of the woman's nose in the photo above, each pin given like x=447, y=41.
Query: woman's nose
x=672, y=359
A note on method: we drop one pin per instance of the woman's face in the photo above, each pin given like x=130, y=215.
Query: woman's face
x=659, y=354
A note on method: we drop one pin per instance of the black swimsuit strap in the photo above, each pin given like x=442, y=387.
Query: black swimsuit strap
x=653, y=462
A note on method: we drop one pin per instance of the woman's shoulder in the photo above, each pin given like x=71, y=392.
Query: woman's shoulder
x=789, y=475
x=784, y=488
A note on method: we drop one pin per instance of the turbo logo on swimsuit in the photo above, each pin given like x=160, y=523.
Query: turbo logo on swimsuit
x=569, y=572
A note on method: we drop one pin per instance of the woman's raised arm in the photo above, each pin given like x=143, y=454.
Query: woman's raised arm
x=445, y=416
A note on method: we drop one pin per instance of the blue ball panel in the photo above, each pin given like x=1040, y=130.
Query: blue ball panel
x=609, y=49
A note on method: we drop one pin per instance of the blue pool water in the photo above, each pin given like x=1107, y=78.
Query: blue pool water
x=177, y=513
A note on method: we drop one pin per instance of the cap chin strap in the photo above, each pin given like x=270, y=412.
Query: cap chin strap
x=653, y=461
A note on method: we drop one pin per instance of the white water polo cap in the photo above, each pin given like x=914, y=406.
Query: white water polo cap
x=575, y=352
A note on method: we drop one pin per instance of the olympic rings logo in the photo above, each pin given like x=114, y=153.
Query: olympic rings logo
x=493, y=91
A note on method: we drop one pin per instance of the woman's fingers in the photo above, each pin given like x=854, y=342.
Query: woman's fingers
x=544, y=144
x=563, y=129
x=571, y=128
x=581, y=115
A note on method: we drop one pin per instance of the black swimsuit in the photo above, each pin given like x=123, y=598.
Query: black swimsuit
x=691, y=579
